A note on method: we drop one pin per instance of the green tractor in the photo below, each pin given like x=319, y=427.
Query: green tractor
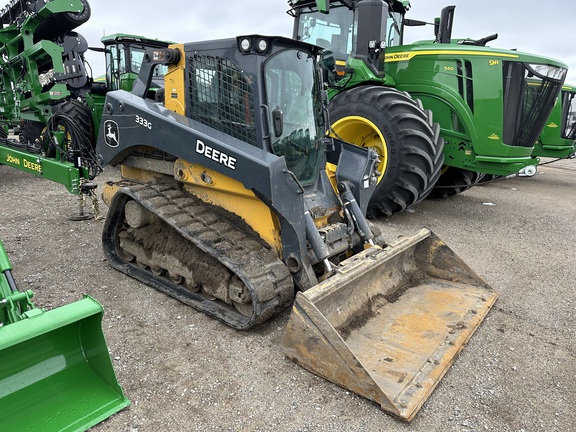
x=365, y=112
x=124, y=58
x=479, y=95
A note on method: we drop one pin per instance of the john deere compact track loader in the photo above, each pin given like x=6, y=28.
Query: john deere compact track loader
x=225, y=204
x=55, y=370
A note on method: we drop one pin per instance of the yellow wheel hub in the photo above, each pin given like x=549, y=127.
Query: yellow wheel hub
x=362, y=132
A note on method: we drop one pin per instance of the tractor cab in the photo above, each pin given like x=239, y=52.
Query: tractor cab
x=361, y=29
x=124, y=57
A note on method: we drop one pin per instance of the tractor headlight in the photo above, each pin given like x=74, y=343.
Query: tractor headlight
x=548, y=71
x=251, y=43
x=262, y=45
x=245, y=44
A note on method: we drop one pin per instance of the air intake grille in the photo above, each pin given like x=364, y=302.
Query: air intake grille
x=528, y=101
x=221, y=97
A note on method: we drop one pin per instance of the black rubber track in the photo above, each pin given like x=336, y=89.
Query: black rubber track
x=415, y=149
x=454, y=181
x=265, y=276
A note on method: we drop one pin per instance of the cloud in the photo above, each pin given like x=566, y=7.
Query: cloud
x=183, y=21
x=537, y=27
x=544, y=28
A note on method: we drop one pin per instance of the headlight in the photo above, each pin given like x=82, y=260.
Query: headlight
x=548, y=71
x=262, y=45
x=245, y=44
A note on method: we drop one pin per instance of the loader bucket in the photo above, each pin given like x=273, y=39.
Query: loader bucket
x=55, y=371
x=391, y=322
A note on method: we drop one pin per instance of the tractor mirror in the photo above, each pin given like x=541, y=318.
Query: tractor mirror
x=444, y=33
x=414, y=23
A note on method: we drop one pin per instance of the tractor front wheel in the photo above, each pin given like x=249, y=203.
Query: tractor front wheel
x=403, y=134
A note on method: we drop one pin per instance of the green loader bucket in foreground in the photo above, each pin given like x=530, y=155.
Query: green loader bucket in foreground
x=391, y=322
x=55, y=371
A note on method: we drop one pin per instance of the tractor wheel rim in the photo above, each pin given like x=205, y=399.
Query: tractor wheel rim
x=362, y=132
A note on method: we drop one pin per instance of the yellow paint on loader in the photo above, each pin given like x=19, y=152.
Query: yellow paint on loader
x=174, y=96
x=391, y=322
x=227, y=193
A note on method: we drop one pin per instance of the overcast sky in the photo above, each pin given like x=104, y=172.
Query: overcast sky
x=545, y=27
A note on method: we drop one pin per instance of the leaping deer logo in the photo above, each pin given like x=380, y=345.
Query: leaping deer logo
x=111, y=136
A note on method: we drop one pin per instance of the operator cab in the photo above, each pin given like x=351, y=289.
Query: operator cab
x=124, y=58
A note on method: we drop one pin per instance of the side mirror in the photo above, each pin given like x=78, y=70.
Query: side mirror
x=414, y=23
x=444, y=33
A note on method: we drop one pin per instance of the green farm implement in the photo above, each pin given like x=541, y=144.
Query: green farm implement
x=55, y=373
x=46, y=91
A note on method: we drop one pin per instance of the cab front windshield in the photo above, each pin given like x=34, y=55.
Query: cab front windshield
x=295, y=112
x=332, y=31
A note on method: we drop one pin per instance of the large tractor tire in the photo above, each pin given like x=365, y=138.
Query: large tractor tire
x=403, y=134
x=74, y=119
x=454, y=181
x=30, y=131
x=75, y=111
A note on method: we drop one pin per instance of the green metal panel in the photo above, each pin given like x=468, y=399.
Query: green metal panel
x=96, y=104
x=61, y=172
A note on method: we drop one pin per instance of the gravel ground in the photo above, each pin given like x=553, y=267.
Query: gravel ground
x=184, y=371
